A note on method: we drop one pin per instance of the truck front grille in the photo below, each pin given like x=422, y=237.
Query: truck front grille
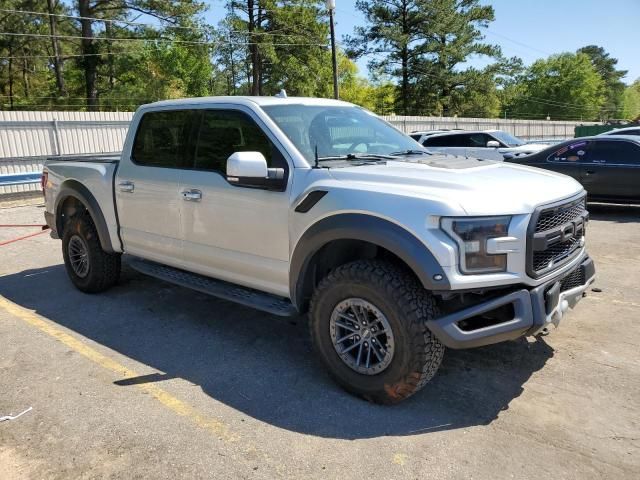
x=552, y=218
x=556, y=235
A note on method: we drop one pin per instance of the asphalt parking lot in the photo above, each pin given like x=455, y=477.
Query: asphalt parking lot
x=150, y=380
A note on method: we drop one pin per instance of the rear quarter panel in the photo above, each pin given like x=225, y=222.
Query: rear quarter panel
x=96, y=177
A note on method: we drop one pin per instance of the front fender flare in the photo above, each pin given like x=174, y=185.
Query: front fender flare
x=375, y=230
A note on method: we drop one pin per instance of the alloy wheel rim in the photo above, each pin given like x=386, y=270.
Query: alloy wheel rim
x=362, y=336
x=78, y=256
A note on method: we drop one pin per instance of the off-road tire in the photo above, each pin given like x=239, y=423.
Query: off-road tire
x=407, y=306
x=104, y=268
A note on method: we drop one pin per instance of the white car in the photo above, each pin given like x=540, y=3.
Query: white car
x=301, y=205
x=622, y=131
x=483, y=144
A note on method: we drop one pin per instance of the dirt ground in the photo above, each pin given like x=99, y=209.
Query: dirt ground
x=149, y=380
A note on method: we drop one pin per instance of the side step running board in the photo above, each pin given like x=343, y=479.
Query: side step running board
x=218, y=288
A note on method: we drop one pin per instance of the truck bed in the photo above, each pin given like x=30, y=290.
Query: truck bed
x=112, y=157
x=95, y=174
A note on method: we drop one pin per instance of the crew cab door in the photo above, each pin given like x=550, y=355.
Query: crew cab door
x=234, y=233
x=569, y=159
x=477, y=147
x=147, y=186
x=612, y=169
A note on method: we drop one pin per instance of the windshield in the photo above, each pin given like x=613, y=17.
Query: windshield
x=339, y=131
x=508, y=139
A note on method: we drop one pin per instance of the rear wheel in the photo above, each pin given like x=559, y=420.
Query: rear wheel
x=368, y=325
x=90, y=268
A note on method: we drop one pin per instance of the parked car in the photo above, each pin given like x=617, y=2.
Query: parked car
x=298, y=205
x=623, y=131
x=608, y=166
x=483, y=144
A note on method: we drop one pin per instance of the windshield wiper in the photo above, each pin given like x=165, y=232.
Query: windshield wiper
x=410, y=152
x=358, y=156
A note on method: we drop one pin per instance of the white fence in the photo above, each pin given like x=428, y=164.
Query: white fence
x=27, y=138
x=525, y=129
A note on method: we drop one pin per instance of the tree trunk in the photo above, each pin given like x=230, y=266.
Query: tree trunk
x=112, y=76
x=25, y=76
x=10, y=77
x=253, y=51
x=90, y=61
x=405, y=81
x=404, y=55
x=58, y=65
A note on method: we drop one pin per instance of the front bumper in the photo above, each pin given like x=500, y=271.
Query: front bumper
x=534, y=310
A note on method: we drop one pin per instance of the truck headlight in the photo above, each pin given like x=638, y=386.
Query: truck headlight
x=471, y=235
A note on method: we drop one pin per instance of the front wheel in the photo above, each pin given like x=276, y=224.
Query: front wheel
x=368, y=325
x=90, y=268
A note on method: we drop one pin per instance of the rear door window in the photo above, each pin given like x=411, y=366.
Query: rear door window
x=162, y=139
x=619, y=152
x=479, y=140
x=576, y=152
x=445, y=141
x=626, y=132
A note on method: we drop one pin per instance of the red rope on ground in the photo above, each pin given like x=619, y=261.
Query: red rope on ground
x=17, y=226
x=22, y=238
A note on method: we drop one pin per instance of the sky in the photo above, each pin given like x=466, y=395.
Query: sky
x=533, y=29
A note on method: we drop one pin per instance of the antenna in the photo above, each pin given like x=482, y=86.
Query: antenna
x=317, y=165
x=282, y=94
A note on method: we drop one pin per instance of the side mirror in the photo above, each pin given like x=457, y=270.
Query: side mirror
x=246, y=165
x=493, y=144
x=249, y=169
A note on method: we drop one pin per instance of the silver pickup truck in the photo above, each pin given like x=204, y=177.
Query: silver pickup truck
x=299, y=205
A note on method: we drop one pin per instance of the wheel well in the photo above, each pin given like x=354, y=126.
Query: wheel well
x=68, y=208
x=337, y=253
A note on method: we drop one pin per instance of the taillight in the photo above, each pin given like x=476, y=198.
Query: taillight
x=43, y=180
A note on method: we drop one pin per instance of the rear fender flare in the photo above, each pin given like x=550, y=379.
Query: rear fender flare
x=74, y=189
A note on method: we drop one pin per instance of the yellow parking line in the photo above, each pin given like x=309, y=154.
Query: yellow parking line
x=172, y=403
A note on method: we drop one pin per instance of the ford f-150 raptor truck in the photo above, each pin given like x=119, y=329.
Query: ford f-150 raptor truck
x=296, y=205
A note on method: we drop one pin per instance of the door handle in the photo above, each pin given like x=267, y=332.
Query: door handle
x=192, y=195
x=126, y=187
x=590, y=172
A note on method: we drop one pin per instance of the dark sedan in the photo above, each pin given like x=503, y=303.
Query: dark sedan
x=607, y=166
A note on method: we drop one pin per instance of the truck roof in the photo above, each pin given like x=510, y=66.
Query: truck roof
x=453, y=131
x=245, y=100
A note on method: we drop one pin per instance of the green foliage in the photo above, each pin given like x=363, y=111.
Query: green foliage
x=418, y=52
x=277, y=45
x=425, y=43
x=612, y=86
x=631, y=101
x=563, y=86
x=127, y=73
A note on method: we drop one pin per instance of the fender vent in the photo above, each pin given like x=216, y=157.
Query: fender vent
x=310, y=200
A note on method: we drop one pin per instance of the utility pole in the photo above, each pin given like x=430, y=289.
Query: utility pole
x=331, y=6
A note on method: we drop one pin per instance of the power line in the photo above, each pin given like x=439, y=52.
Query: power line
x=516, y=42
x=126, y=22
x=573, y=106
x=167, y=40
x=122, y=39
x=78, y=17
x=73, y=98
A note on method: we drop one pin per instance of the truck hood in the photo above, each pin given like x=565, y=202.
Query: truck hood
x=479, y=187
